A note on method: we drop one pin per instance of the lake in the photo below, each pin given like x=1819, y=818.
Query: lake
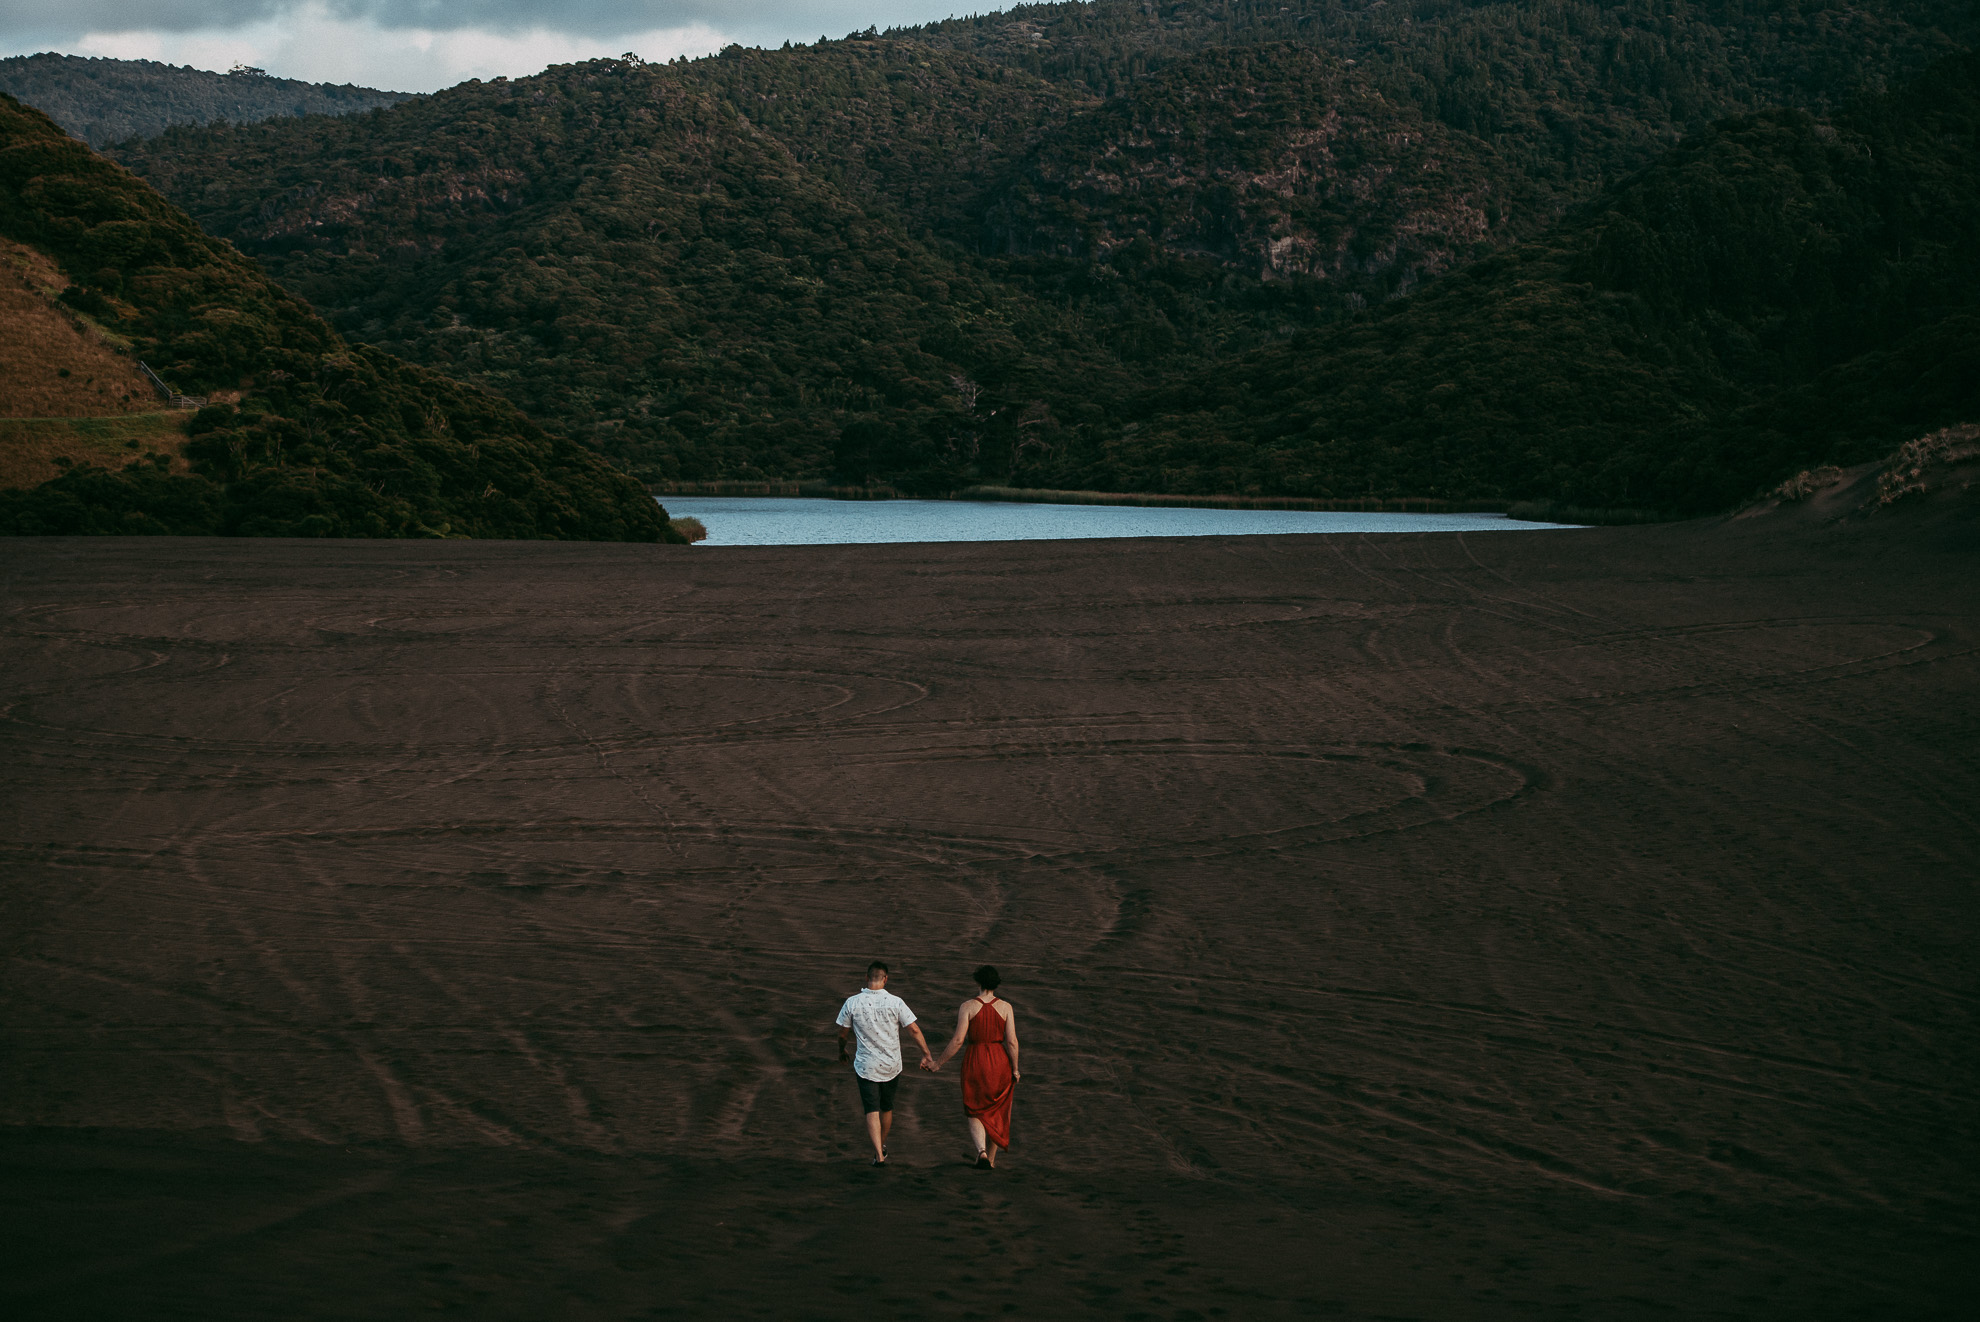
x=796, y=521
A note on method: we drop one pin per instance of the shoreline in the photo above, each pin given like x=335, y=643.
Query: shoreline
x=1526, y=511
x=981, y=494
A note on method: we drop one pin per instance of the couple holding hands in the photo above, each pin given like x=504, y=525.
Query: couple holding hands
x=874, y=1018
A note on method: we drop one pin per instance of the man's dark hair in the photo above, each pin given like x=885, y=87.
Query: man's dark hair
x=986, y=978
x=877, y=966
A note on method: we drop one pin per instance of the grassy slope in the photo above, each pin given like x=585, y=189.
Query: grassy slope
x=328, y=439
x=54, y=360
x=38, y=450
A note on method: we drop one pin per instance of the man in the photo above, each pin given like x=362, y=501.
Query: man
x=877, y=1017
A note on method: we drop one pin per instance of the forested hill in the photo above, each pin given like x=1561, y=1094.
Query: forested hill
x=103, y=101
x=1566, y=89
x=989, y=250
x=305, y=434
x=1776, y=293
x=614, y=247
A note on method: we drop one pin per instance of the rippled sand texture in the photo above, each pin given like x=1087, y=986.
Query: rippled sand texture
x=1401, y=925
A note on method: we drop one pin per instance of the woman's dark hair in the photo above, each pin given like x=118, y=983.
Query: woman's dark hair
x=986, y=978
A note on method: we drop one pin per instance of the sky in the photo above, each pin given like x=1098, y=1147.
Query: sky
x=424, y=45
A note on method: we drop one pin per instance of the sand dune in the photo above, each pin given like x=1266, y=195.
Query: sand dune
x=1404, y=926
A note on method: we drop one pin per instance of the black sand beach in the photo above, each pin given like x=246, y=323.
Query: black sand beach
x=1553, y=924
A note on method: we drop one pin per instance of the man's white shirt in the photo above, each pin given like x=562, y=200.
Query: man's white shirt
x=876, y=1017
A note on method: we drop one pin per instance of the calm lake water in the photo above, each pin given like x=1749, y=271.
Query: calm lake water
x=792, y=521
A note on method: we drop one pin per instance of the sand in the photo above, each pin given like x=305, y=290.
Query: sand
x=1558, y=924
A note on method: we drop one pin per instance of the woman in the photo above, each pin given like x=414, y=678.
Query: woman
x=990, y=1070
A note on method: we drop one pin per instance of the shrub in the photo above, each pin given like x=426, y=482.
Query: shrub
x=1907, y=472
x=1806, y=483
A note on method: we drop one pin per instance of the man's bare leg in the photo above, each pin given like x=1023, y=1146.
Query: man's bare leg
x=876, y=1130
x=886, y=1128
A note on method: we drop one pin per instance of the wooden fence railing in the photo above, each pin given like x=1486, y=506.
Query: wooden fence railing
x=168, y=394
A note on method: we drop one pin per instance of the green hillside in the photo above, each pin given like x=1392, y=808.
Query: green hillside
x=1007, y=249
x=1275, y=161
x=618, y=249
x=1568, y=91
x=103, y=101
x=316, y=436
x=1776, y=293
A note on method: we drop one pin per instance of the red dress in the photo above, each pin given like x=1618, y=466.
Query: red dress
x=987, y=1084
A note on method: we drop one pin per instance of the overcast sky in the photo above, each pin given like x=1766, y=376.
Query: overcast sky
x=424, y=45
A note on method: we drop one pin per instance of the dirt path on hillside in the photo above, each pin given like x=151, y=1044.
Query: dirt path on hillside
x=1406, y=926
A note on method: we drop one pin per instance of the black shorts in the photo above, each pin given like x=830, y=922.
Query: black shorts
x=877, y=1096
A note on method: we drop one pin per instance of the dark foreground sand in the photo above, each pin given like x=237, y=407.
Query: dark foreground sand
x=1551, y=924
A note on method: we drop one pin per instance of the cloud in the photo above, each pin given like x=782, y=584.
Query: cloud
x=425, y=45
x=316, y=46
x=588, y=18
